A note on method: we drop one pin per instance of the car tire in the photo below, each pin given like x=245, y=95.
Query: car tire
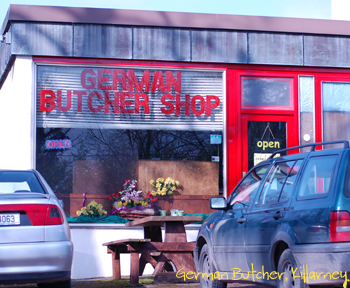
x=285, y=264
x=206, y=266
x=63, y=284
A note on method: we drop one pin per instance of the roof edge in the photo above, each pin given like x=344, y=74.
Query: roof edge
x=36, y=13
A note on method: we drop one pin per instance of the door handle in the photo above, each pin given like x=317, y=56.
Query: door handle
x=241, y=220
x=278, y=215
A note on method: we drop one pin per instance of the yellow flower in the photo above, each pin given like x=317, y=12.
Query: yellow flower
x=92, y=203
x=120, y=204
x=78, y=213
x=177, y=183
x=154, y=193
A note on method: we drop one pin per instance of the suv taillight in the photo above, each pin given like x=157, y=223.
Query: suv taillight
x=38, y=214
x=339, y=226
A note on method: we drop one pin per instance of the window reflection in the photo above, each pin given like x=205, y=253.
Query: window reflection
x=245, y=193
x=100, y=160
x=262, y=92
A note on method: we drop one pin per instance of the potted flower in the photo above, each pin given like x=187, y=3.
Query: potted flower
x=131, y=203
x=93, y=209
x=164, y=187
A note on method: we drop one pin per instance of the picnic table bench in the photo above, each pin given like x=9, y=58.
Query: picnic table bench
x=175, y=247
x=148, y=250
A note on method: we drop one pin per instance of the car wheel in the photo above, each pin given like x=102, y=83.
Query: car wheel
x=206, y=266
x=63, y=284
x=287, y=265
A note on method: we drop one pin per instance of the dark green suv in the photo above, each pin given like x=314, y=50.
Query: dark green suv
x=286, y=224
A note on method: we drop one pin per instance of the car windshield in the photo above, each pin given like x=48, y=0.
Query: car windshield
x=19, y=181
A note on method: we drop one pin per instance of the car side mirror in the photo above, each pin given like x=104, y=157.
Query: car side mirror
x=218, y=203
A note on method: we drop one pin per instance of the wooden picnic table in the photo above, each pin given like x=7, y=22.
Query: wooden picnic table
x=158, y=253
x=175, y=236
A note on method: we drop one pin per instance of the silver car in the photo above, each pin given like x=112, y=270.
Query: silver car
x=35, y=241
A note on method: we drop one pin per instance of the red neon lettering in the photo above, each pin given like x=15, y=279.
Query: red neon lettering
x=47, y=104
x=139, y=103
x=202, y=105
x=67, y=143
x=212, y=105
x=55, y=143
x=158, y=82
x=117, y=79
x=59, y=101
x=102, y=80
x=168, y=104
x=185, y=104
x=99, y=107
x=61, y=144
x=170, y=80
x=114, y=102
x=124, y=102
x=92, y=80
x=50, y=144
x=80, y=95
x=145, y=81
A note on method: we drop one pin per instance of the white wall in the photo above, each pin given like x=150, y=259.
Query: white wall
x=90, y=258
x=17, y=110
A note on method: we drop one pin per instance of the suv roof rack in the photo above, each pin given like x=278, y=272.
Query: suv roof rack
x=345, y=142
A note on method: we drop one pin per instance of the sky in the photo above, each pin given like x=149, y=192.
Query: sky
x=320, y=9
x=280, y=8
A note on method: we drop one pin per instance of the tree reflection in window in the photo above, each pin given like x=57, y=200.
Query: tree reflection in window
x=116, y=153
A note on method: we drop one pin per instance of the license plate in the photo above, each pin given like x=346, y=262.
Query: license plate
x=10, y=219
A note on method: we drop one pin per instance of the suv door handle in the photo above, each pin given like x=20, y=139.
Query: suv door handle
x=241, y=220
x=278, y=215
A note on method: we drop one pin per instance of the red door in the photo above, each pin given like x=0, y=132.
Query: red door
x=262, y=117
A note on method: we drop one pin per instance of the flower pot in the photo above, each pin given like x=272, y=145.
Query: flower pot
x=132, y=213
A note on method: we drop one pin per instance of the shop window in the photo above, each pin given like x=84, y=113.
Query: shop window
x=307, y=110
x=100, y=126
x=98, y=161
x=336, y=111
x=267, y=93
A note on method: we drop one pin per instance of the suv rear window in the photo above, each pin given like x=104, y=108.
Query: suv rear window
x=19, y=182
x=317, y=177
